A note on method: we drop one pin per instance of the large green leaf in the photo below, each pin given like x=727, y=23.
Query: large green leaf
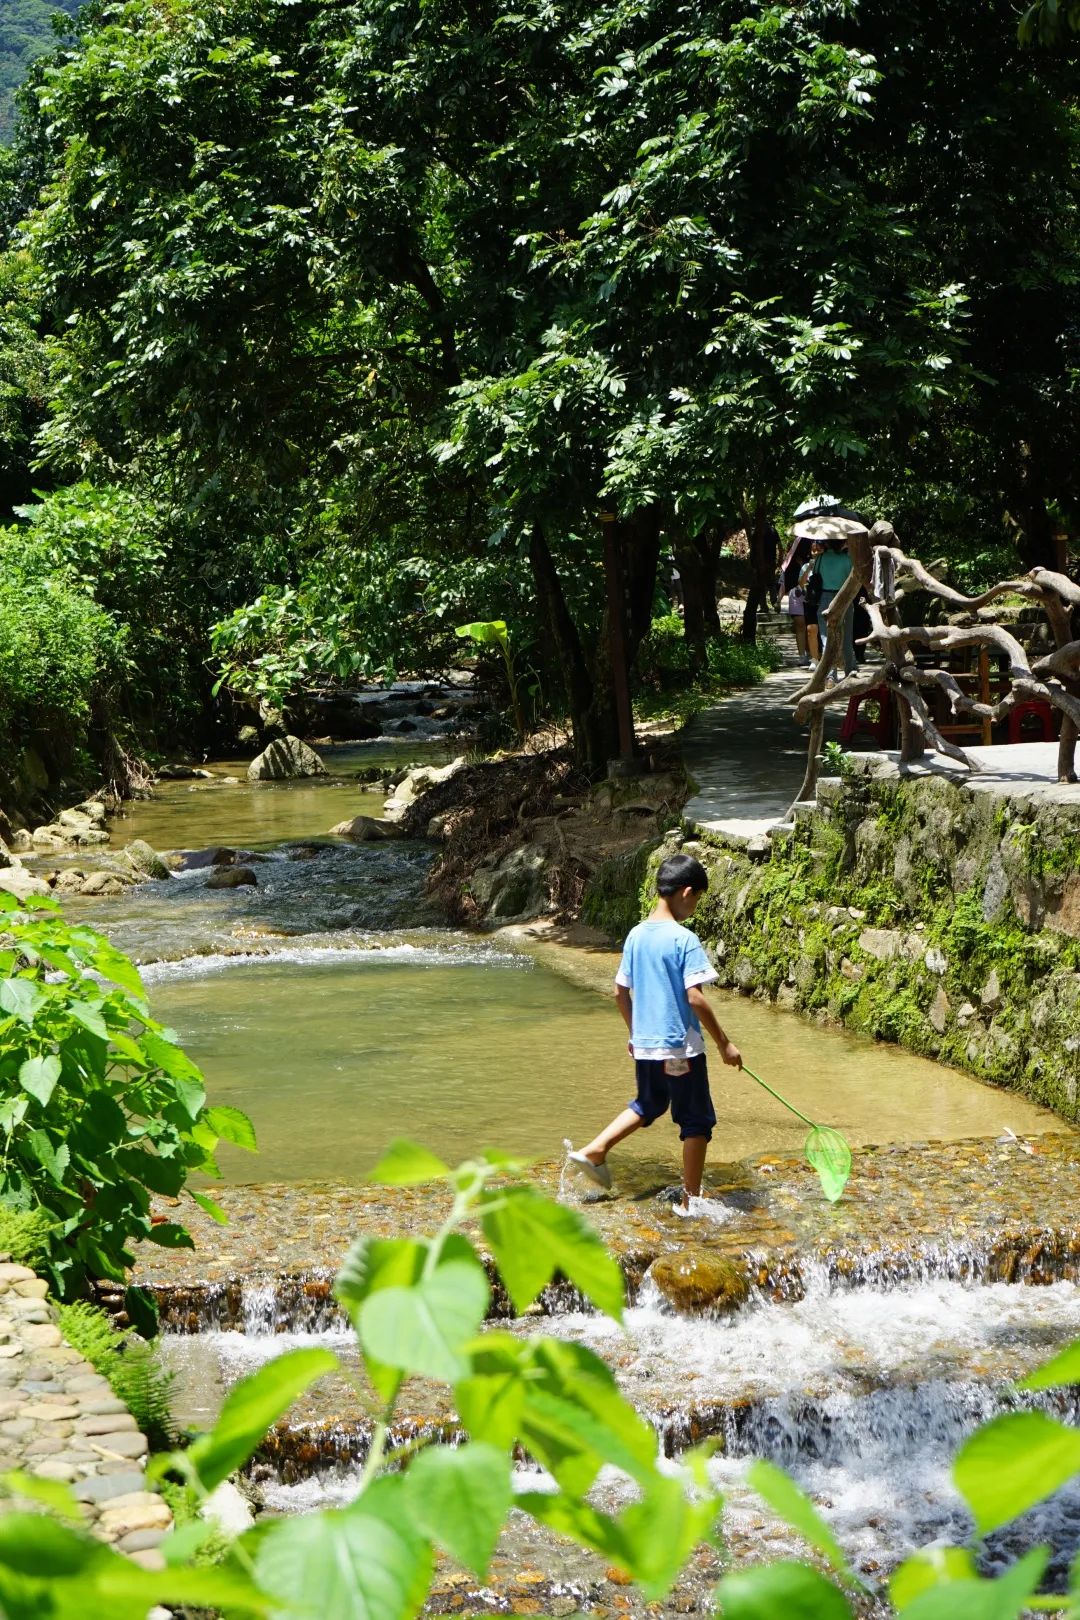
x=784, y=1591
x=931, y=1566
x=486, y=632
x=1061, y=1369
x=21, y=998
x=1012, y=1463
x=232, y=1126
x=51, y=1493
x=423, y=1327
x=370, y=1265
x=533, y=1238
x=406, y=1164
x=973, y=1599
x=796, y=1509
x=38, y=1076
x=366, y=1562
x=459, y=1496
x=249, y=1410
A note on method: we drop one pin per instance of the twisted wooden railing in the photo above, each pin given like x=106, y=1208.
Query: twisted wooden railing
x=1054, y=679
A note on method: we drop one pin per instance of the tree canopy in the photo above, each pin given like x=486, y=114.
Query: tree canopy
x=377, y=304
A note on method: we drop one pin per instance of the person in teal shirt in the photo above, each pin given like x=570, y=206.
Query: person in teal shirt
x=834, y=566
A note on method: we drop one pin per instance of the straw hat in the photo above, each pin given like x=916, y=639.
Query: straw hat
x=828, y=528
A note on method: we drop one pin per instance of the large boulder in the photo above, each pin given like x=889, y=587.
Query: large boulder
x=144, y=861
x=417, y=781
x=22, y=884
x=284, y=758
x=232, y=877
x=515, y=888
x=360, y=830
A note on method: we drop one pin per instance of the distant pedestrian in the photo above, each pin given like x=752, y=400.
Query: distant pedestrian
x=810, y=586
x=834, y=566
x=794, y=599
x=660, y=994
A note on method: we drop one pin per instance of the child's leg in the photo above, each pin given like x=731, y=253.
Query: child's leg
x=622, y=1126
x=694, y=1149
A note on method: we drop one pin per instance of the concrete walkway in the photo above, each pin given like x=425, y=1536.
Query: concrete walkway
x=747, y=756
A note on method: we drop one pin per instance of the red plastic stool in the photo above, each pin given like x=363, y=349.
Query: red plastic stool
x=881, y=728
x=1031, y=709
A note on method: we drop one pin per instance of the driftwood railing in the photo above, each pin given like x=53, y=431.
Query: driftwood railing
x=1054, y=679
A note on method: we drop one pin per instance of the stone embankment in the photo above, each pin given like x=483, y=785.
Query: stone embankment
x=918, y=910
x=60, y=1420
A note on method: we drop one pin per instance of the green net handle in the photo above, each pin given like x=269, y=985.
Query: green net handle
x=764, y=1083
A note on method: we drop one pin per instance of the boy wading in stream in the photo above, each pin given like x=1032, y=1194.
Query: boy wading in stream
x=660, y=995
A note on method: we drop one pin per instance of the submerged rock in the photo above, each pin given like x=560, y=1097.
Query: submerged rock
x=144, y=861
x=284, y=758
x=360, y=830
x=232, y=877
x=696, y=1280
x=104, y=883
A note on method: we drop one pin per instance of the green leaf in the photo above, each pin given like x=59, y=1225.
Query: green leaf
x=973, y=1599
x=372, y=1264
x=251, y=1407
x=459, y=1496
x=793, y=1591
x=1061, y=1369
x=486, y=632
x=21, y=998
x=796, y=1509
x=51, y=1493
x=491, y=1407
x=170, y=1235
x=422, y=1328
x=533, y=1238
x=38, y=1076
x=1012, y=1463
x=366, y=1562
x=406, y=1164
x=53, y=1160
x=930, y=1566
x=113, y=964
x=215, y=1211
x=232, y=1126
x=90, y=1018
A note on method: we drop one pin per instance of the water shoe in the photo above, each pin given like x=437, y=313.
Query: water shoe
x=599, y=1174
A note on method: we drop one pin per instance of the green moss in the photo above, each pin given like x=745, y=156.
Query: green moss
x=621, y=891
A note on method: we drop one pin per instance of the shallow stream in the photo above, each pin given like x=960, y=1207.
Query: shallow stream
x=332, y=1005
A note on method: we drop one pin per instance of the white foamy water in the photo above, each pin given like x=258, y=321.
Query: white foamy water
x=358, y=955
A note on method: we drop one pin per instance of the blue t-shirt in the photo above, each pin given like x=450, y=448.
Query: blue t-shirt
x=661, y=961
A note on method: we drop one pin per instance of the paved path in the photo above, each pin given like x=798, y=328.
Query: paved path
x=59, y=1419
x=747, y=756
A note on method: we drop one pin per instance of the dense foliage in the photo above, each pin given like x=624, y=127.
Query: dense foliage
x=418, y=1306
x=26, y=32
x=99, y=1108
x=374, y=311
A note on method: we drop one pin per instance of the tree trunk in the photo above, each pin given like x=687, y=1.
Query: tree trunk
x=691, y=573
x=708, y=547
x=1038, y=547
x=591, y=714
x=762, y=568
x=639, y=537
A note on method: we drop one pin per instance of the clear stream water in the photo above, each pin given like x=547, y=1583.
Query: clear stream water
x=332, y=1005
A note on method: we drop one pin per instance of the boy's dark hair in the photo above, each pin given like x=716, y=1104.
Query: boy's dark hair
x=681, y=872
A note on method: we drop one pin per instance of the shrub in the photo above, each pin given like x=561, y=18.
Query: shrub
x=130, y=1364
x=99, y=1108
x=664, y=658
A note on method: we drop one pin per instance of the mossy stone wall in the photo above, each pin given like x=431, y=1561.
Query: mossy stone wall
x=918, y=911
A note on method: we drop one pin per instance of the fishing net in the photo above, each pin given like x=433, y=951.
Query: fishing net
x=828, y=1154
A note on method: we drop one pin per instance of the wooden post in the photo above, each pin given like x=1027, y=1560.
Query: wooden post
x=984, y=695
x=616, y=602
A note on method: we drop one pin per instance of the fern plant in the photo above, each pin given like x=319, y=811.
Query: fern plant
x=132, y=1367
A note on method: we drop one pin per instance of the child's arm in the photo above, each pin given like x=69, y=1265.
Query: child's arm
x=622, y=1001
x=728, y=1050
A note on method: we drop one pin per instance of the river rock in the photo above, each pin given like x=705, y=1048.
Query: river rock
x=22, y=884
x=695, y=1280
x=196, y=860
x=144, y=861
x=991, y=992
x=106, y=884
x=228, y=1508
x=513, y=889
x=417, y=780
x=51, y=836
x=20, y=842
x=360, y=830
x=284, y=758
x=232, y=877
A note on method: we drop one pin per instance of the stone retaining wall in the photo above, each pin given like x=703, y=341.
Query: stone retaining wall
x=916, y=910
x=59, y=1419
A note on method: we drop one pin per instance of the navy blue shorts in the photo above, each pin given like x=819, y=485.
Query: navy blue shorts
x=687, y=1095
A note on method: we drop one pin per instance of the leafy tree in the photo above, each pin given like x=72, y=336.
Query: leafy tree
x=26, y=31
x=100, y=1108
